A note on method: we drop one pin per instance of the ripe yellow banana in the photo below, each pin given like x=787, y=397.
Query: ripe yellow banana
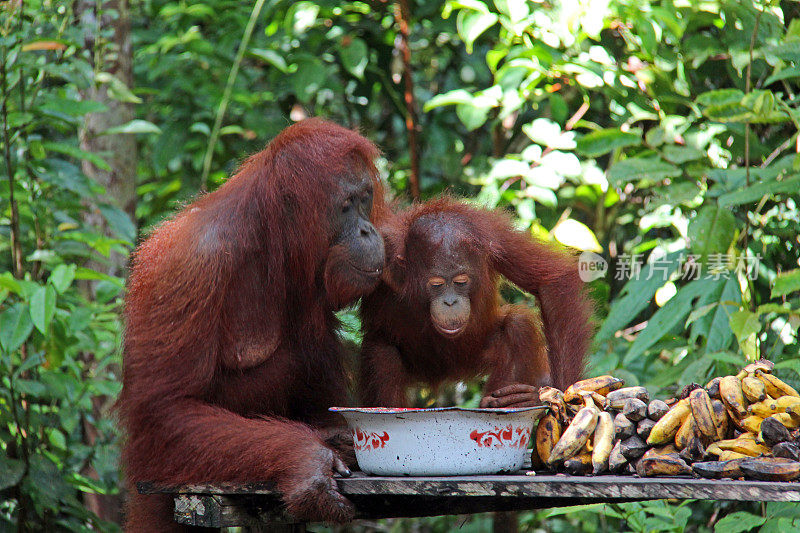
x=763, y=408
x=754, y=389
x=730, y=390
x=575, y=436
x=787, y=419
x=775, y=387
x=603, y=442
x=601, y=385
x=744, y=446
x=751, y=423
x=547, y=434
x=666, y=428
x=729, y=455
x=703, y=414
x=685, y=432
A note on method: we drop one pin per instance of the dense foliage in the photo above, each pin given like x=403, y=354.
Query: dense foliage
x=660, y=135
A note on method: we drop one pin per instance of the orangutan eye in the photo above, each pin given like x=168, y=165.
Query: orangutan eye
x=461, y=279
x=346, y=206
x=436, y=281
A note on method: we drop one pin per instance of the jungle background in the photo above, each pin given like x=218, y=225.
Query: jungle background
x=662, y=131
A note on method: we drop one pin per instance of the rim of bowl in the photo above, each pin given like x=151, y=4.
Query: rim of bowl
x=395, y=410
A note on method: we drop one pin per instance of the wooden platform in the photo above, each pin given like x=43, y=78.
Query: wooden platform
x=219, y=505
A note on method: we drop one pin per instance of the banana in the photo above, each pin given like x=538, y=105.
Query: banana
x=719, y=469
x=751, y=423
x=668, y=425
x=787, y=419
x=616, y=461
x=720, y=419
x=554, y=398
x=661, y=450
x=730, y=390
x=784, y=403
x=773, y=432
x=603, y=442
x=579, y=465
x=575, y=436
x=763, y=408
x=729, y=455
x=754, y=389
x=601, y=385
x=656, y=409
x=669, y=464
x=685, y=432
x=547, y=434
x=761, y=364
x=775, y=387
x=616, y=399
x=703, y=414
x=712, y=387
x=771, y=469
x=744, y=446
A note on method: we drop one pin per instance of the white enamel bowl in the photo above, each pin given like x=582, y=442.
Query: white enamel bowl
x=449, y=441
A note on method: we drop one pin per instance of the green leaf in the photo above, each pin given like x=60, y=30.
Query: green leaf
x=457, y=96
x=354, y=56
x=786, y=283
x=738, y=522
x=72, y=107
x=270, y=56
x=744, y=323
x=11, y=471
x=711, y=231
x=117, y=89
x=784, y=74
x=637, y=294
x=43, y=307
x=471, y=24
x=77, y=153
x=648, y=169
x=134, y=126
x=603, y=141
x=720, y=97
x=119, y=221
x=15, y=326
x=755, y=192
x=681, y=154
x=308, y=78
x=471, y=116
x=666, y=318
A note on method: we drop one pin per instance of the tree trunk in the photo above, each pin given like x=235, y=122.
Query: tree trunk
x=119, y=151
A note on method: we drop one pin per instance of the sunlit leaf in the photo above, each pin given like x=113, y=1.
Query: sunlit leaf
x=576, y=235
x=786, y=283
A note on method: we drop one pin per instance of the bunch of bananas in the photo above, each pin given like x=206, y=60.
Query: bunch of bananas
x=736, y=426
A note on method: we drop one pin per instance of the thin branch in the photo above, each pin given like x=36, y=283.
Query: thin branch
x=401, y=14
x=16, y=245
x=226, y=95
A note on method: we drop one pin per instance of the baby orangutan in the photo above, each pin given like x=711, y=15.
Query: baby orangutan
x=437, y=316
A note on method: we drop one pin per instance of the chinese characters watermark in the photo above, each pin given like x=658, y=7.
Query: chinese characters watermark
x=717, y=266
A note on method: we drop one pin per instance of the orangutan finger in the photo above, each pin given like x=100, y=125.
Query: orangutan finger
x=340, y=468
x=512, y=399
x=516, y=388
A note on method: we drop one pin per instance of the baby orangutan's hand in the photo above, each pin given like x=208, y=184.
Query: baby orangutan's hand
x=516, y=395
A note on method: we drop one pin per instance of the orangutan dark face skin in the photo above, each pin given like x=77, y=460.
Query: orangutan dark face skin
x=449, y=285
x=356, y=234
x=449, y=296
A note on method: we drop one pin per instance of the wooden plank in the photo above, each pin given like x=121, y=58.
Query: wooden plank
x=609, y=488
x=560, y=486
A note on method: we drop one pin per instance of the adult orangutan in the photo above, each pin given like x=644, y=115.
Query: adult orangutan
x=438, y=316
x=230, y=355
